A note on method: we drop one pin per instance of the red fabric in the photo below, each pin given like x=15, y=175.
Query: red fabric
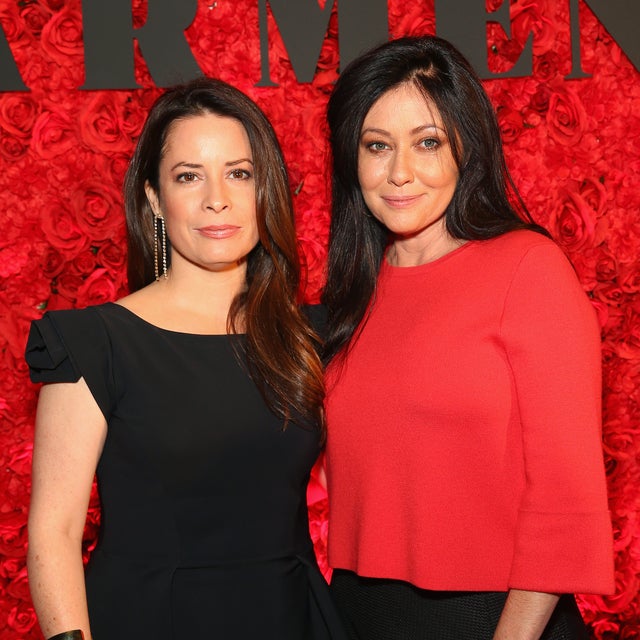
x=464, y=448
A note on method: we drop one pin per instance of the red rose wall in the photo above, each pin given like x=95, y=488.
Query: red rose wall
x=573, y=147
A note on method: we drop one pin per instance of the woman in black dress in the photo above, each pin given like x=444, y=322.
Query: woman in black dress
x=196, y=400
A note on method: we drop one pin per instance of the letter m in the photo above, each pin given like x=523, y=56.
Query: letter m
x=303, y=26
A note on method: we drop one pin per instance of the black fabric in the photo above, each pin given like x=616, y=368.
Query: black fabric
x=380, y=609
x=204, y=520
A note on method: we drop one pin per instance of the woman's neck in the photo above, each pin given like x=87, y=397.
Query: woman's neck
x=412, y=252
x=189, y=301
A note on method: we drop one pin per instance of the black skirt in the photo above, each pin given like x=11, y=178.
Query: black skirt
x=381, y=609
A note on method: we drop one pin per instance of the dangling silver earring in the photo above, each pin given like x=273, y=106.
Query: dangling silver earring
x=159, y=244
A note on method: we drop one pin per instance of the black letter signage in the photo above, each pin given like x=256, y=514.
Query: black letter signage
x=10, y=79
x=109, y=33
x=621, y=18
x=303, y=26
x=464, y=23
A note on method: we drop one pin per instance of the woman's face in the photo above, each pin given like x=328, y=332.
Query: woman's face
x=406, y=170
x=207, y=192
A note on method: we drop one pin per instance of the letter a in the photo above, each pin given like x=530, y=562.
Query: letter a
x=10, y=79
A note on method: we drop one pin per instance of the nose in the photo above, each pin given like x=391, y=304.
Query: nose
x=216, y=197
x=400, y=168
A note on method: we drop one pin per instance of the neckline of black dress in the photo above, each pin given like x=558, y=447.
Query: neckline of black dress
x=155, y=327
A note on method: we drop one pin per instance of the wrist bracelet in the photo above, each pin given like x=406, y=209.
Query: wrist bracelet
x=76, y=634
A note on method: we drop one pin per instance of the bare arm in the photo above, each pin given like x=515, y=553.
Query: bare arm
x=525, y=615
x=70, y=433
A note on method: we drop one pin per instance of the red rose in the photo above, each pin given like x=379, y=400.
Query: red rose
x=67, y=285
x=21, y=617
x=113, y=255
x=12, y=23
x=11, y=567
x=35, y=17
x=62, y=229
x=84, y=263
x=53, y=134
x=99, y=210
x=606, y=266
x=545, y=67
x=602, y=311
x=39, y=71
x=627, y=585
x=56, y=301
x=410, y=19
x=584, y=262
x=566, y=118
x=13, y=534
x=19, y=586
x=101, y=123
x=573, y=223
x=604, y=628
x=62, y=36
x=621, y=443
x=118, y=165
x=18, y=112
x=52, y=263
x=594, y=194
x=609, y=293
x=511, y=124
x=540, y=99
x=629, y=277
x=11, y=147
x=530, y=16
x=96, y=289
x=312, y=211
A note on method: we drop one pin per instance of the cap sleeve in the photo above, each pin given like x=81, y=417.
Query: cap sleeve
x=66, y=345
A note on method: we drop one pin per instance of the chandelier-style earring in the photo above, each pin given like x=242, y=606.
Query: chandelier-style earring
x=159, y=245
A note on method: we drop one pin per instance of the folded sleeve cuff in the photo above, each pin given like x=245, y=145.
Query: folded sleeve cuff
x=564, y=553
x=47, y=356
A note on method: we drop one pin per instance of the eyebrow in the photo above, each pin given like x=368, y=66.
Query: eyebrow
x=419, y=129
x=195, y=165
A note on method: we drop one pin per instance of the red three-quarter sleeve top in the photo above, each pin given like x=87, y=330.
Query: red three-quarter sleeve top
x=464, y=445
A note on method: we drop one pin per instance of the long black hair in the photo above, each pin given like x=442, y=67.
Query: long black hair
x=485, y=203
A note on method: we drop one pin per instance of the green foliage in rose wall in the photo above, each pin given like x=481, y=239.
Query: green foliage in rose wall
x=573, y=147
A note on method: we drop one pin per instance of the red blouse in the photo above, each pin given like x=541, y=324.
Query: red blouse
x=464, y=447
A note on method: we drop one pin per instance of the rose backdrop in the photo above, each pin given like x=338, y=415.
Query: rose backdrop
x=573, y=147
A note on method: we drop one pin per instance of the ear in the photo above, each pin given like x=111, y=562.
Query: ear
x=153, y=199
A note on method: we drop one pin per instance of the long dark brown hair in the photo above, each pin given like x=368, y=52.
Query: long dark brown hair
x=280, y=351
x=485, y=203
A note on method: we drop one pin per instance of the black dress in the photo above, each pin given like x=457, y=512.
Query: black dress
x=204, y=520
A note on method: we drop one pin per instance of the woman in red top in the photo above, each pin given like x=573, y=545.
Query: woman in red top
x=465, y=471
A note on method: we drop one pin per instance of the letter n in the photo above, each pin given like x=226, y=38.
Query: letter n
x=621, y=18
